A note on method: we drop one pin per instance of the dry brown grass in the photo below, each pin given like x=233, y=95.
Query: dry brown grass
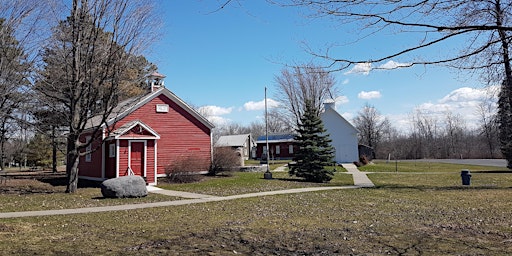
x=407, y=214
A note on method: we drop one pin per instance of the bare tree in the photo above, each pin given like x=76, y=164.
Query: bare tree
x=484, y=25
x=425, y=133
x=489, y=125
x=15, y=69
x=295, y=86
x=85, y=61
x=372, y=126
x=454, y=133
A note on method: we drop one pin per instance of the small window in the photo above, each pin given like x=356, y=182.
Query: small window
x=290, y=149
x=88, y=156
x=278, y=150
x=112, y=150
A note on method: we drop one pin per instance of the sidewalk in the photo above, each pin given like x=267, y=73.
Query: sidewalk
x=360, y=178
x=360, y=181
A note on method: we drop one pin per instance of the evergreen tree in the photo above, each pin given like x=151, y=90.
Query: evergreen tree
x=315, y=150
x=505, y=122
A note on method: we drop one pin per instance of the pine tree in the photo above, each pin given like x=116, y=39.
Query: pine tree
x=505, y=122
x=315, y=150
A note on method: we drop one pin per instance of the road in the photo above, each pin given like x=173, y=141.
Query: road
x=485, y=162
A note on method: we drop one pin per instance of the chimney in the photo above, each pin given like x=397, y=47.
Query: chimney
x=156, y=81
x=329, y=104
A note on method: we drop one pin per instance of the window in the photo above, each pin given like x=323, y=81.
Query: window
x=290, y=149
x=278, y=150
x=112, y=150
x=88, y=156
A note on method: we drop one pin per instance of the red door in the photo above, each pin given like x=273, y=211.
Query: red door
x=137, y=158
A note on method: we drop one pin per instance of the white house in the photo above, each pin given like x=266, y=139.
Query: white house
x=342, y=133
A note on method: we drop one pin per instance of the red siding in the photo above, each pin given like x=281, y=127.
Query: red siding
x=123, y=157
x=180, y=133
x=284, y=150
x=150, y=159
x=181, y=136
x=92, y=168
x=110, y=162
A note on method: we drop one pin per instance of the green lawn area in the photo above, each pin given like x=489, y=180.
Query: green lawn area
x=420, y=212
x=392, y=166
x=251, y=182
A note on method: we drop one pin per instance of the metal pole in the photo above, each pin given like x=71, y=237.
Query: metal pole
x=268, y=174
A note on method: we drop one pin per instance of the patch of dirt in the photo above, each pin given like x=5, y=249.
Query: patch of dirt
x=6, y=229
x=224, y=241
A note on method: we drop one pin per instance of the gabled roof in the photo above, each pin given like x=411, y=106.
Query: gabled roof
x=119, y=132
x=329, y=107
x=274, y=138
x=128, y=106
x=233, y=140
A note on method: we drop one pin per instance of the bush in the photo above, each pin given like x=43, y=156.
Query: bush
x=184, y=170
x=363, y=160
x=225, y=160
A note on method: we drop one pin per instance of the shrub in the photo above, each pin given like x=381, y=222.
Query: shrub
x=225, y=160
x=184, y=170
x=363, y=160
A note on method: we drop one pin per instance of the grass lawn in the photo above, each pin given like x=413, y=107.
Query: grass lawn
x=33, y=195
x=251, y=182
x=392, y=166
x=408, y=213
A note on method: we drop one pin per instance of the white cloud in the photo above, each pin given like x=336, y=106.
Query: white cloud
x=214, y=114
x=365, y=68
x=260, y=105
x=218, y=120
x=369, y=95
x=465, y=94
x=341, y=100
x=464, y=102
x=393, y=65
x=360, y=68
x=214, y=110
x=346, y=81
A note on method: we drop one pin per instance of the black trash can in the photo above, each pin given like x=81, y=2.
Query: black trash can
x=466, y=177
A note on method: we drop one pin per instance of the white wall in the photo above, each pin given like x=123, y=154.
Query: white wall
x=342, y=134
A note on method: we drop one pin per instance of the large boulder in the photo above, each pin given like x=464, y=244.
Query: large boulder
x=125, y=186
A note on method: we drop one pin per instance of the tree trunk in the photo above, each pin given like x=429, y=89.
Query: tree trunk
x=73, y=159
x=54, y=150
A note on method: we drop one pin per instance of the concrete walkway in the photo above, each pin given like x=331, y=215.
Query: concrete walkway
x=176, y=193
x=360, y=181
x=360, y=178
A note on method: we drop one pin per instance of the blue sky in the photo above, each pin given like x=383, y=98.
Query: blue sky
x=223, y=61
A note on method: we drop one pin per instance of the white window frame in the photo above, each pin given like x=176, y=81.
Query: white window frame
x=112, y=150
x=88, y=156
x=290, y=149
x=278, y=150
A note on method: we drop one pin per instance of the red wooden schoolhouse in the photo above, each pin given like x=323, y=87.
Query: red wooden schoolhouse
x=145, y=134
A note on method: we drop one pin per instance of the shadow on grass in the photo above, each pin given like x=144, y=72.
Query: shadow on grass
x=493, y=171
x=62, y=181
x=447, y=188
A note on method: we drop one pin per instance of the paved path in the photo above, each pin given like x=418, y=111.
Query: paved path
x=360, y=180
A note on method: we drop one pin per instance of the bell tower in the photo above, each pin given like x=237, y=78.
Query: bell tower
x=156, y=81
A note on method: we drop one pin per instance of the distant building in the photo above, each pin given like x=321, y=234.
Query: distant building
x=342, y=133
x=282, y=146
x=241, y=144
